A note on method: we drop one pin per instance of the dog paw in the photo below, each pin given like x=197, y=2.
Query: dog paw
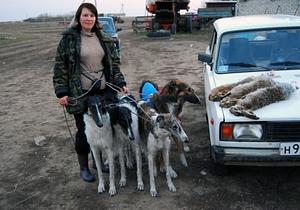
x=172, y=188
x=101, y=188
x=122, y=182
x=153, y=192
x=162, y=169
x=173, y=174
x=129, y=164
x=140, y=186
x=186, y=148
x=112, y=191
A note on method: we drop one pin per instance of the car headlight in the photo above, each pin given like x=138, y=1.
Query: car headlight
x=241, y=131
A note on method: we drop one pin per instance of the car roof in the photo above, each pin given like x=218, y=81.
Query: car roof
x=239, y=23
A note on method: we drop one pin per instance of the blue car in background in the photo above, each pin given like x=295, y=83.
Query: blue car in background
x=110, y=28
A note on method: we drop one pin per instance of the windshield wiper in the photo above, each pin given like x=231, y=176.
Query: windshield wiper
x=241, y=64
x=285, y=63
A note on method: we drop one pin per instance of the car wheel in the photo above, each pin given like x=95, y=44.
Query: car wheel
x=155, y=26
x=158, y=34
x=217, y=169
x=173, y=28
x=189, y=24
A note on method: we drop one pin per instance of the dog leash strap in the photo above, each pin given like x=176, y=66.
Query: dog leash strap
x=113, y=87
x=197, y=96
x=73, y=100
x=140, y=108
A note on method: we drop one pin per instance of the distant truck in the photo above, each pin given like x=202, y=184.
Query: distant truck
x=167, y=15
x=215, y=10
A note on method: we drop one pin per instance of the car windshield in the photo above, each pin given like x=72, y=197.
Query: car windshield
x=108, y=26
x=260, y=50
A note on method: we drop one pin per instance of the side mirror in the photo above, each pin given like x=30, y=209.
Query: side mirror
x=119, y=29
x=206, y=58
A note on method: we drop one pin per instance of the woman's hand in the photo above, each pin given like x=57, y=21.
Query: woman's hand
x=125, y=89
x=63, y=101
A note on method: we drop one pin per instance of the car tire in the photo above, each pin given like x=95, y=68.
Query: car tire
x=217, y=169
x=173, y=28
x=189, y=24
x=155, y=26
x=154, y=34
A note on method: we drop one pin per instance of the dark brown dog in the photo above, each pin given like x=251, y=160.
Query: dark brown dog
x=175, y=93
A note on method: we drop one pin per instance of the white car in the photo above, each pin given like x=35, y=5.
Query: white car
x=251, y=46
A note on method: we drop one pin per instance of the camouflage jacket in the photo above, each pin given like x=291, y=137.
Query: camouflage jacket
x=66, y=78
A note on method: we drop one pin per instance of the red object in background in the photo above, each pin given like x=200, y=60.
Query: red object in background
x=151, y=8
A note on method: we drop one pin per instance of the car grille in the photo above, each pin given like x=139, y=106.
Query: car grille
x=282, y=131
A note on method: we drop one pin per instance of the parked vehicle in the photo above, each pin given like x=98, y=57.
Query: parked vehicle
x=167, y=15
x=110, y=28
x=215, y=10
x=271, y=45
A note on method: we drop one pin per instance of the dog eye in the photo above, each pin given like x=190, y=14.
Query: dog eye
x=174, y=127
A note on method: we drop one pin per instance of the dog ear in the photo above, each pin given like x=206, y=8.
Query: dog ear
x=170, y=88
x=173, y=88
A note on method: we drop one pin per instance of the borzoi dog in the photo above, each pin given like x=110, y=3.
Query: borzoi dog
x=126, y=133
x=169, y=100
x=156, y=129
x=99, y=135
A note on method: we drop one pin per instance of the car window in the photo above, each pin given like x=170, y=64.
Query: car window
x=108, y=26
x=259, y=50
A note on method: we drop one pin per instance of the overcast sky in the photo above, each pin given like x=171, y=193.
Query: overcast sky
x=11, y=10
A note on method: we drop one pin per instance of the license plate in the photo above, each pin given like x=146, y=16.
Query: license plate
x=290, y=148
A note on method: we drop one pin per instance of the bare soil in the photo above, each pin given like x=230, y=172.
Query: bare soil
x=47, y=176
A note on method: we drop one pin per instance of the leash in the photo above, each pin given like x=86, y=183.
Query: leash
x=118, y=90
x=68, y=126
x=194, y=92
x=72, y=101
x=139, y=106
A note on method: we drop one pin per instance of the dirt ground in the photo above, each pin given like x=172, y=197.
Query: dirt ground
x=47, y=176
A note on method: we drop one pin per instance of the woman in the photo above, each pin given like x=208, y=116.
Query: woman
x=85, y=54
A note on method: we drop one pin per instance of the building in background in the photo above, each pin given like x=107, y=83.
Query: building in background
x=253, y=7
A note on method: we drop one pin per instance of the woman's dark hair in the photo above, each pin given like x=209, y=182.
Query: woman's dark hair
x=90, y=7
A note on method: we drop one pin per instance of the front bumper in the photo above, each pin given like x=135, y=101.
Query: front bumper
x=252, y=156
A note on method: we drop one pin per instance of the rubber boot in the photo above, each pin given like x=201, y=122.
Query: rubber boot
x=105, y=167
x=85, y=173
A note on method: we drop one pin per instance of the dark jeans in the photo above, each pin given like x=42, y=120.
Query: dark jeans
x=82, y=147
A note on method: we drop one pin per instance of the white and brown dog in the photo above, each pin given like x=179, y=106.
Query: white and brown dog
x=156, y=131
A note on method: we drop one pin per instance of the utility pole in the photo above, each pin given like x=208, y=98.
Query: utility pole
x=122, y=8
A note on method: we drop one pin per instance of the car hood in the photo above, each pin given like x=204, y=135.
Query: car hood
x=112, y=34
x=279, y=111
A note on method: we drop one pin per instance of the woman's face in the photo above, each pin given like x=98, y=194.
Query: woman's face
x=87, y=19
